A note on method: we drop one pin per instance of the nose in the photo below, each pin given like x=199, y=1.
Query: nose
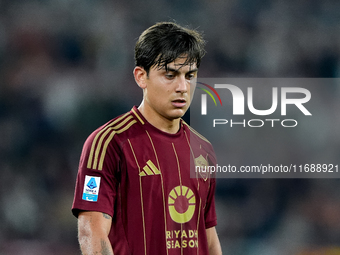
x=182, y=85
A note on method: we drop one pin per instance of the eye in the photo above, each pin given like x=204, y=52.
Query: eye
x=169, y=76
x=191, y=76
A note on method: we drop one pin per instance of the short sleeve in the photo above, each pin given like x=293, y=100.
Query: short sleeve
x=96, y=184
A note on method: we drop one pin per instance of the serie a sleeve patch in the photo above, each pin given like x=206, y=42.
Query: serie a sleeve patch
x=91, y=188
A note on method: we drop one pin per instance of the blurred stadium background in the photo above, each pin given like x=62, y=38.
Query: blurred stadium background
x=66, y=68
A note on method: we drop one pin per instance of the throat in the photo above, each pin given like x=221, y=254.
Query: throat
x=160, y=122
x=170, y=126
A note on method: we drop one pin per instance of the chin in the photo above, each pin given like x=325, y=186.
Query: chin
x=178, y=114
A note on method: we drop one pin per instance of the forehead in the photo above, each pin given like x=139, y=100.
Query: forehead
x=181, y=63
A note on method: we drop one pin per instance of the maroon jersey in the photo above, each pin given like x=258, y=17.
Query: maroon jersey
x=140, y=176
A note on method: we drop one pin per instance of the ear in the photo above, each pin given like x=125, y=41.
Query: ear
x=140, y=76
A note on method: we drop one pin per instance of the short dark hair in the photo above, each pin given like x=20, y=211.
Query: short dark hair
x=164, y=42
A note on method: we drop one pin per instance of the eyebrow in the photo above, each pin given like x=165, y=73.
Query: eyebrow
x=170, y=69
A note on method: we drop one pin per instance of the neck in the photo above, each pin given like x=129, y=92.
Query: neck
x=170, y=126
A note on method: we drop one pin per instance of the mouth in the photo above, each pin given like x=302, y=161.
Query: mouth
x=179, y=103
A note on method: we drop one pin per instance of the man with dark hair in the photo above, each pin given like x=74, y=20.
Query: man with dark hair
x=134, y=193
x=153, y=50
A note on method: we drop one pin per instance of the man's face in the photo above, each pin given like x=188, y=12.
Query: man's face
x=169, y=91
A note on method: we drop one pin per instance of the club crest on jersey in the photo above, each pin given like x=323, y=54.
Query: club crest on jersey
x=91, y=188
x=201, y=162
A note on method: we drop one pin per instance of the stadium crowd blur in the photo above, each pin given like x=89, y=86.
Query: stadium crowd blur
x=66, y=68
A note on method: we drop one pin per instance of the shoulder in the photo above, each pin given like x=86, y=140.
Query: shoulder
x=195, y=134
x=198, y=140
x=121, y=126
x=109, y=139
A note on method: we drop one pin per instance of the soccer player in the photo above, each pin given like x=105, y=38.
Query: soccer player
x=134, y=193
